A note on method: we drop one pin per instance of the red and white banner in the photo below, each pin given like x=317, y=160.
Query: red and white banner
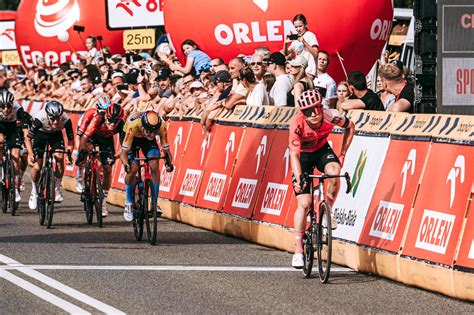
x=394, y=194
x=466, y=251
x=7, y=30
x=122, y=14
x=441, y=203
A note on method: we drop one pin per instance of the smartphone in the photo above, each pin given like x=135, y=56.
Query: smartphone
x=122, y=87
x=142, y=72
x=128, y=58
x=293, y=36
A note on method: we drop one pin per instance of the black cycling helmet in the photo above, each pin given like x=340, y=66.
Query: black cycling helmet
x=54, y=109
x=114, y=112
x=151, y=121
x=6, y=99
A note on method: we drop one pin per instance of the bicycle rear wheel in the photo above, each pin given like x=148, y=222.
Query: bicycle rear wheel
x=99, y=197
x=324, y=242
x=309, y=242
x=11, y=186
x=137, y=214
x=149, y=209
x=50, y=195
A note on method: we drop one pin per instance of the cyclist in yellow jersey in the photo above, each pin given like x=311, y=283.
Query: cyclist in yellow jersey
x=140, y=131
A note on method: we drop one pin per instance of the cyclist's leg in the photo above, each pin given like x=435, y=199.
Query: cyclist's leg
x=150, y=149
x=39, y=142
x=107, y=159
x=329, y=164
x=130, y=178
x=56, y=142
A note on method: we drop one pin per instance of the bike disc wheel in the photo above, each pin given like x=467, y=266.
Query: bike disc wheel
x=40, y=202
x=324, y=242
x=149, y=209
x=308, y=248
x=50, y=195
x=11, y=187
x=98, y=198
x=137, y=213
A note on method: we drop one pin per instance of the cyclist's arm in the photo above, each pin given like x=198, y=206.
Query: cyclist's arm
x=164, y=141
x=126, y=145
x=348, y=135
x=21, y=117
x=69, y=134
x=295, y=149
x=35, y=126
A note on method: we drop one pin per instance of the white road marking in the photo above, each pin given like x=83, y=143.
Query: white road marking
x=43, y=294
x=59, y=286
x=161, y=268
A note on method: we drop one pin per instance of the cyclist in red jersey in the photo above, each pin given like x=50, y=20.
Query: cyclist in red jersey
x=100, y=131
x=309, y=148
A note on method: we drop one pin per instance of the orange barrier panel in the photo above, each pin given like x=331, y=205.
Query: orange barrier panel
x=219, y=166
x=178, y=138
x=276, y=193
x=394, y=194
x=70, y=170
x=248, y=172
x=434, y=228
x=465, y=259
x=118, y=172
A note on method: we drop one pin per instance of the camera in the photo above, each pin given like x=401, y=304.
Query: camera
x=293, y=36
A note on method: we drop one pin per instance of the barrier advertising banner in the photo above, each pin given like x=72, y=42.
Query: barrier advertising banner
x=276, y=191
x=220, y=163
x=118, y=178
x=192, y=166
x=248, y=172
x=466, y=251
x=441, y=203
x=394, y=194
x=178, y=138
x=364, y=160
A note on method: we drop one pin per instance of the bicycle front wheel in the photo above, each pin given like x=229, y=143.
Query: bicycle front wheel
x=324, y=242
x=4, y=192
x=50, y=195
x=149, y=209
x=40, y=199
x=11, y=186
x=98, y=197
x=309, y=242
x=138, y=215
x=86, y=196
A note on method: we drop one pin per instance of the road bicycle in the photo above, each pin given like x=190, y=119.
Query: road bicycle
x=46, y=187
x=144, y=202
x=7, y=184
x=318, y=234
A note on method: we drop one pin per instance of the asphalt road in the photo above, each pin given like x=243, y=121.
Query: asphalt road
x=77, y=268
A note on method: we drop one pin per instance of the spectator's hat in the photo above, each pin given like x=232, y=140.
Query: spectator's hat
x=277, y=58
x=221, y=76
x=398, y=64
x=164, y=73
x=299, y=61
x=132, y=76
x=117, y=73
x=196, y=85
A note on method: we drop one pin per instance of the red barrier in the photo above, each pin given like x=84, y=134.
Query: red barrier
x=178, y=137
x=394, y=195
x=248, y=172
x=118, y=172
x=437, y=217
x=192, y=165
x=466, y=251
x=276, y=192
x=219, y=166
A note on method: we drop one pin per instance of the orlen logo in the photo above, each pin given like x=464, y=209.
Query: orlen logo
x=380, y=29
x=408, y=168
x=386, y=220
x=55, y=16
x=190, y=182
x=273, y=199
x=435, y=231
x=244, y=193
x=166, y=179
x=458, y=170
x=215, y=187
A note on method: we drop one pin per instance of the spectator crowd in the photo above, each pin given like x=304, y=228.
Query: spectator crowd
x=157, y=80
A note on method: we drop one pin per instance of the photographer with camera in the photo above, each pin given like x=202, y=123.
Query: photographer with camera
x=303, y=43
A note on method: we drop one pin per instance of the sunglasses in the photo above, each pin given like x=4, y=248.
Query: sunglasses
x=112, y=120
x=309, y=112
x=54, y=118
x=259, y=63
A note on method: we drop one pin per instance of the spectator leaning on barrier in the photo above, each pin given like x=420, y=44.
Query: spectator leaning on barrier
x=302, y=81
x=239, y=91
x=387, y=98
x=223, y=84
x=324, y=82
x=258, y=94
x=393, y=81
x=196, y=59
x=343, y=93
x=258, y=67
x=362, y=97
x=283, y=81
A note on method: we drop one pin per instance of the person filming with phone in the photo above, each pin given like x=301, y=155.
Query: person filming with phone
x=303, y=43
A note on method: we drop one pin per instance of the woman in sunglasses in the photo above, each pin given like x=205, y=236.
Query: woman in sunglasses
x=309, y=148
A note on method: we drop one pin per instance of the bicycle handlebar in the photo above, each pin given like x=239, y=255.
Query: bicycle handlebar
x=147, y=159
x=304, y=178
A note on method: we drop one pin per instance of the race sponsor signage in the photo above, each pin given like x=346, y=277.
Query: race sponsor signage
x=219, y=166
x=7, y=35
x=437, y=217
x=458, y=81
x=190, y=182
x=364, y=161
x=10, y=58
x=274, y=196
x=249, y=24
x=248, y=171
x=139, y=39
x=45, y=29
x=123, y=14
x=465, y=256
x=394, y=194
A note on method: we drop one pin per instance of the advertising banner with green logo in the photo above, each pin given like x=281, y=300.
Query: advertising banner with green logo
x=363, y=163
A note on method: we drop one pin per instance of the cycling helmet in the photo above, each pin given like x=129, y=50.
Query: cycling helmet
x=114, y=112
x=54, y=109
x=6, y=99
x=103, y=103
x=151, y=121
x=309, y=99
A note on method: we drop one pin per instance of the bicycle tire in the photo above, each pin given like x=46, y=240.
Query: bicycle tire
x=98, y=198
x=41, y=197
x=149, y=209
x=308, y=247
x=50, y=196
x=4, y=194
x=137, y=214
x=11, y=186
x=324, y=242
x=86, y=196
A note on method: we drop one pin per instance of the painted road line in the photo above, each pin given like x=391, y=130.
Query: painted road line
x=60, y=286
x=161, y=268
x=42, y=294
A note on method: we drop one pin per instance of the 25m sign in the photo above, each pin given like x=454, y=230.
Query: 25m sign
x=123, y=14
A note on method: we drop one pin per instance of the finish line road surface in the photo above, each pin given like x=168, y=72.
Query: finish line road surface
x=82, y=269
